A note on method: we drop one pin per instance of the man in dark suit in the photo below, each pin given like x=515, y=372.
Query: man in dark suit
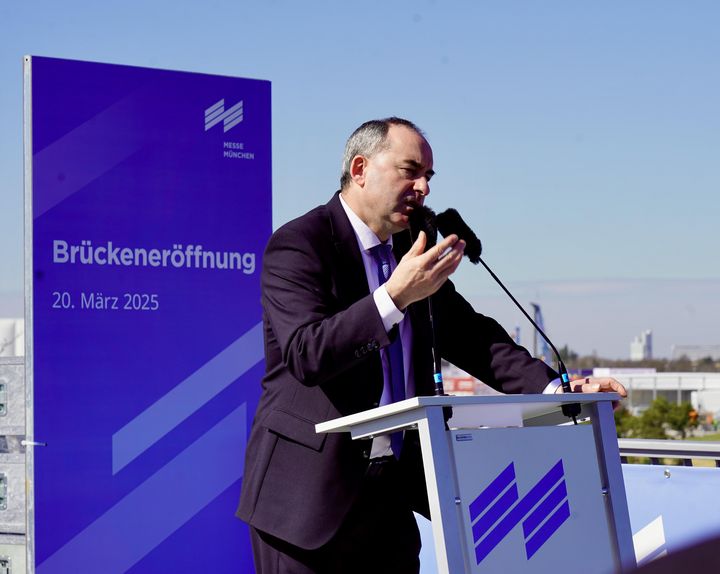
x=341, y=323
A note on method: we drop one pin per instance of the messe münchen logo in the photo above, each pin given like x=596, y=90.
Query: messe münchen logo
x=230, y=117
x=498, y=509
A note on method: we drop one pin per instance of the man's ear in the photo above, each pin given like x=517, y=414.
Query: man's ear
x=358, y=169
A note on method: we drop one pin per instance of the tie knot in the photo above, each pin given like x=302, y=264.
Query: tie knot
x=381, y=250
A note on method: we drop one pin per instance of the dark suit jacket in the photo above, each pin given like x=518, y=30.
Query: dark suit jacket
x=322, y=339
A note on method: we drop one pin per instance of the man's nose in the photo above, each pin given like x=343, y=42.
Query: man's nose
x=422, y=186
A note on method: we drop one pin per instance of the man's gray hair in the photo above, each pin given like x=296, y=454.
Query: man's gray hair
x=369, y=139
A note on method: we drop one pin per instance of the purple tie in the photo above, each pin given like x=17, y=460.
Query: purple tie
x=396, y=384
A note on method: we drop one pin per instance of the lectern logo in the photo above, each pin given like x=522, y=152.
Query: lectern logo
x=230, y=117
x=498, y=509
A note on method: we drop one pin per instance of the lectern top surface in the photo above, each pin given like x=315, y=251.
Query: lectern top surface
x=522, y=407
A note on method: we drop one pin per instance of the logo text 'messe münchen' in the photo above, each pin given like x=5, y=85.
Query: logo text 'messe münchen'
x=498, y=509
x=230, y=118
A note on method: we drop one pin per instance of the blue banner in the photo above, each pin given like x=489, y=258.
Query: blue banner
x=151, y=206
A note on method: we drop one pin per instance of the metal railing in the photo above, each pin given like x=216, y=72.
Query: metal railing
x=658, y=449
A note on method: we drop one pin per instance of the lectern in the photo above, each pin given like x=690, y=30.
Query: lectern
x=514, y=487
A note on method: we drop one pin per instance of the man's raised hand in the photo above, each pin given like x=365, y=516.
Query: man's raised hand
x=419, y=275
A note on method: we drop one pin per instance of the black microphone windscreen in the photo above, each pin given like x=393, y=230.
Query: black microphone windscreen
x=449, y=222
x=422, y=218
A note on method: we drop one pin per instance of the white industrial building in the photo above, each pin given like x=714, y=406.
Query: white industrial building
x=702, y=390
x=641, y=347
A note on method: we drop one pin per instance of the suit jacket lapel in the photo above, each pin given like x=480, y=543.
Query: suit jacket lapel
x=351, y=278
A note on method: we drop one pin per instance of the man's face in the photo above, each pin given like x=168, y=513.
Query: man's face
x=395, y=180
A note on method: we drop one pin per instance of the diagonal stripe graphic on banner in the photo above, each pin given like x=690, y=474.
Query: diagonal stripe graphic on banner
x=186, y=397
x=230, y=124
x=159, y=506
x=211, y=122
x=235, y=115
x=87, y=152
x=217, y=107
x=217, y=113
x=237, y=108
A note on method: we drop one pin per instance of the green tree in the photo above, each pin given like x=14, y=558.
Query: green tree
x=655, y=422
x=625, y=423
x=681, y=365
x=662, y=416
x=707, y=364
x=679, y=419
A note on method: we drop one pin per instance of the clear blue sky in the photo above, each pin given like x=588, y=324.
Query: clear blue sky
x=580, y=139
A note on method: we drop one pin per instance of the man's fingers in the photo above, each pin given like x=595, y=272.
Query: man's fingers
x=601, y=385
x=431, y=256
x=419, y=274
x=438, y=270
x=449, y=262
x=612, y=385
x=437, y=257
x=419, y=246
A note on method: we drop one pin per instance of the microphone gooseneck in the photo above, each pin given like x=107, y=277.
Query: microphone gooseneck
x=449, y=222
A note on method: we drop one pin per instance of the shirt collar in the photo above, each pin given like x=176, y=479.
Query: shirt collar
x=365, y=236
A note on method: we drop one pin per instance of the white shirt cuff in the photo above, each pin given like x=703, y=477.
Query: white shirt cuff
x=389, y=314
x=552, y=387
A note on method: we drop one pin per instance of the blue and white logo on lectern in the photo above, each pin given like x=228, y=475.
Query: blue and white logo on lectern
x=498, y=509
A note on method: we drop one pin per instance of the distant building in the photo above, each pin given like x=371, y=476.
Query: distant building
x=696, y=352
x=12, y=337
x=702, y=390
x=641, y=347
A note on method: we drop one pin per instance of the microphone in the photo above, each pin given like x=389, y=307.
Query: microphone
x=423, y=219
x=450, y=222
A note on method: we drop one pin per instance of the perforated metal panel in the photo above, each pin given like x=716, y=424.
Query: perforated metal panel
x=12, y=397
x=13, y=521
